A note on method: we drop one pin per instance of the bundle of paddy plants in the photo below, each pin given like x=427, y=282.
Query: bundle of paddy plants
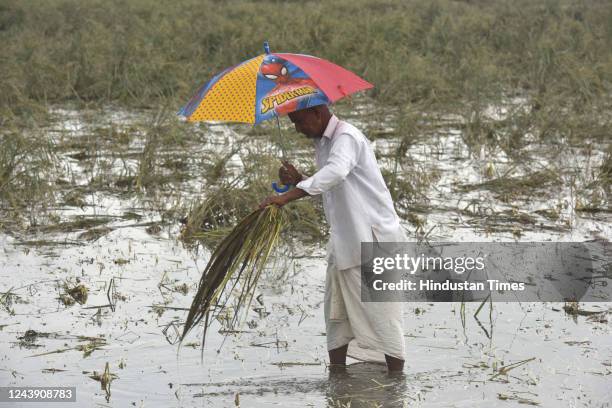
x=230, y=278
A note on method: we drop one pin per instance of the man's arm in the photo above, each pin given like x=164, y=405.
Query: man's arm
x=343, y=157
x=285, y=198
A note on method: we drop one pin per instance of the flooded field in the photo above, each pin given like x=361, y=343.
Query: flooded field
x=96, y=283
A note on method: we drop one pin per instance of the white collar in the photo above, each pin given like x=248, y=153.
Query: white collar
x=331, y=126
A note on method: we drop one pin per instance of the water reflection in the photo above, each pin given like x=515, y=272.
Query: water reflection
x=366, y=385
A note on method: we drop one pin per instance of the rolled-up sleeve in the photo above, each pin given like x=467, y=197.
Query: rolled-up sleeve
x=343, y=157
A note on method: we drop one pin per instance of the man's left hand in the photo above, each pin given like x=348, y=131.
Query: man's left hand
x=288, y=174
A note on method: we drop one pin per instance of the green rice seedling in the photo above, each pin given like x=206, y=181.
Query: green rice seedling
x=234, y=269
x=105, y=380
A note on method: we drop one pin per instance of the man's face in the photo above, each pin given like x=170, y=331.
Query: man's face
x=307, y=122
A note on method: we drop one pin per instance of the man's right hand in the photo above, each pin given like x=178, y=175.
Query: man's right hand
x=288, y=174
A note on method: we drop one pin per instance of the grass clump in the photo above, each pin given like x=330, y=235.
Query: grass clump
x=526, y=184
x=210, y=220
x=234, y=268
x=79, y=293
x=28, y=168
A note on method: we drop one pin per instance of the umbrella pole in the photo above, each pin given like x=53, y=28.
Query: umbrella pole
x=280, y=138
x=279, y=188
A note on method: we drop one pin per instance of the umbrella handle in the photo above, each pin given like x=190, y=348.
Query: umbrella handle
x=279, y=188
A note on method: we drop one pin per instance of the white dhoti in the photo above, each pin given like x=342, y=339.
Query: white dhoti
x=371, y=329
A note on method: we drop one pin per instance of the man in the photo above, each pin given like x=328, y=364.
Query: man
x=358, y=208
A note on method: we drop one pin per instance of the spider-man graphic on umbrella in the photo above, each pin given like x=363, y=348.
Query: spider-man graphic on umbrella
x=293, y=90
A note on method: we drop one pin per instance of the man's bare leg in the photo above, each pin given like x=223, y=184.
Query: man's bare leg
x=337, y=359
x=394, y=365
x=338, y=356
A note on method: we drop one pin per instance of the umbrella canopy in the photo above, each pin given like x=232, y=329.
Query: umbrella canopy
x=271, y=85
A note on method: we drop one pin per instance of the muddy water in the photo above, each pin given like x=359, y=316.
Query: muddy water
x=140, y=280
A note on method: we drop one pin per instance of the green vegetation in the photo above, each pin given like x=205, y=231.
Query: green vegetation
x=438, y=66
x=28, y=165
x=443, y=52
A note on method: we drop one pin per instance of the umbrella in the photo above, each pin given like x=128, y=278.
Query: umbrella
x=268, y=86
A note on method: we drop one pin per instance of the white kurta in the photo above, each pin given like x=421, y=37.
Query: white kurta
x=357, y=203
x=358, y=208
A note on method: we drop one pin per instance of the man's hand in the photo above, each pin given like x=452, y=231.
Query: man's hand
x=278, y=200
x=288, y=174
